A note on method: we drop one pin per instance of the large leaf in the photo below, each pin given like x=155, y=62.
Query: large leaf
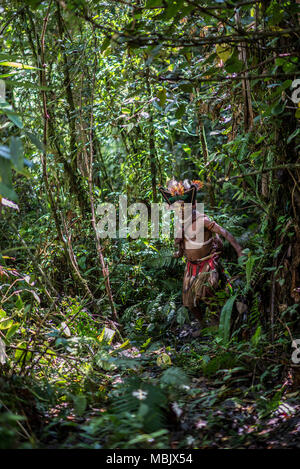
x=22, y=355
x=233, y=64
x=224, y=51
x=225, y=318
x=249, y=267
x=8, y=192
x=174, y=376
x=8, y=110
x=153, y=3
x=6, y=323
x=5, y=172
x=16, y=151
x=162, y=96
x=12, y=330
x=17, y=65
x=180, y=111
x=80, y=403
x=35, y=140
x=14, y=118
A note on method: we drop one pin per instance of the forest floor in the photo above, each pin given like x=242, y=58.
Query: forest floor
x=72, y=379
x=228, y=410
x=181, y=392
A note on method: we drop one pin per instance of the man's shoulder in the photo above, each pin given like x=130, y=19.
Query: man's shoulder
x=198, y=214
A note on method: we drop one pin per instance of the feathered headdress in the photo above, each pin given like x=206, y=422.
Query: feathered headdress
x=178, y=190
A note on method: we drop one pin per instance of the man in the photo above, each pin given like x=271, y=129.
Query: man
x=202, y=271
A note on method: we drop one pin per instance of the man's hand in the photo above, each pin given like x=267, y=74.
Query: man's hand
x=178, y=254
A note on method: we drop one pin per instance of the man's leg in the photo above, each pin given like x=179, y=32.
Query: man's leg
x=198, y=313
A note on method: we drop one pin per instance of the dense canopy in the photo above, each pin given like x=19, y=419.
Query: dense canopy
x=106, y=98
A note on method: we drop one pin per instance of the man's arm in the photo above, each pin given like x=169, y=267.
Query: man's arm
x=213, y=226
x=178, y=244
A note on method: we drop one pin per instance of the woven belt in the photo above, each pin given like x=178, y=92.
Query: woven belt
x=198, y=261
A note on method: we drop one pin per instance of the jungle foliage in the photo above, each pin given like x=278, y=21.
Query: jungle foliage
x=102, y=98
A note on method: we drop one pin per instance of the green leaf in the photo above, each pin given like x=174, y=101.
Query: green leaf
x=256, y=336
x=249, y=267
x=4, y=57
x=154, y=50
x=6, y=323
x=2, y=313
x=277, y=109
x=35, y=3
x=154, y=3
x=106, y=335
x=7, y=192
x=22, y=355
x=225, y=318
x=277, y=14
x=224, y=51
x=174, y=376
x=14, y=118
x=12, y=330
x=80, y=403
x=163, y=360
x=233, y=64
x=182, y=315
x=35, y=140
x=172, y=9
x=5, y=171
x=18, y=65
x=187, y=88
x=7, y=109
x=180, y=111
x=25, y=84
x=293, y=135
x=16, y=151
x=105, y=44
x=162, y=96
x=104, y=360
x=65, y=329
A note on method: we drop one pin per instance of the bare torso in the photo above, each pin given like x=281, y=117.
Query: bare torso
x=193, y=249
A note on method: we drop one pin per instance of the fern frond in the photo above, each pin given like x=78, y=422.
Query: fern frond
x=146, y=401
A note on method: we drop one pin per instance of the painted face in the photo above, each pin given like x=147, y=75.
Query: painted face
x=178, y=207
